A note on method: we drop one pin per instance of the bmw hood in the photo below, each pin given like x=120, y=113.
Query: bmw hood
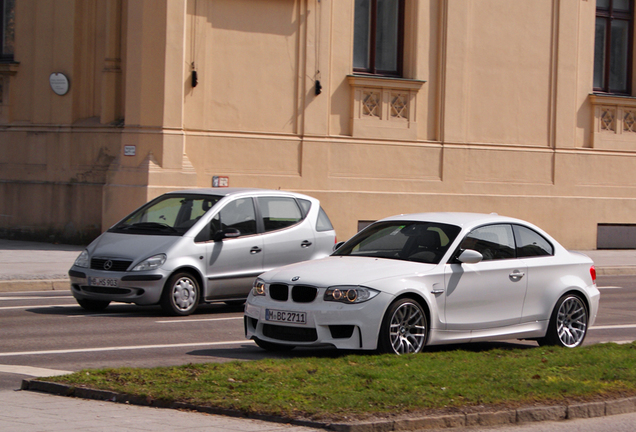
x=345, y=270
x=130, y=246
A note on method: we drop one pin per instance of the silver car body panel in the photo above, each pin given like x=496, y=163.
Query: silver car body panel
x=226, y=269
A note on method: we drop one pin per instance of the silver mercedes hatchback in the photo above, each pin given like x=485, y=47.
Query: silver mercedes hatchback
x=201, y=245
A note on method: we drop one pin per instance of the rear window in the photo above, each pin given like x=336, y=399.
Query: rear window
x=323, y=223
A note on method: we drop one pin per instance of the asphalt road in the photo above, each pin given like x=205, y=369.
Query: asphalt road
x=48, y=330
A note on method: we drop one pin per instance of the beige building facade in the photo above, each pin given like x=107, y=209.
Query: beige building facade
x=492, y=108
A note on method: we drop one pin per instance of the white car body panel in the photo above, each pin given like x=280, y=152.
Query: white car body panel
x=489, y=300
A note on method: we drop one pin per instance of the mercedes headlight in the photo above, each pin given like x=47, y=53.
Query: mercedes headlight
x=152, y=263
x=83, y=260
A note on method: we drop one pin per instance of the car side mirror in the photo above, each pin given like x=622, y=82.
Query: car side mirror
x=337, y=246
x=227, y=233
x=470, y=256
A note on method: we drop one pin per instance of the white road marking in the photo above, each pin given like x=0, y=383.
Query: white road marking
x=609, y=287
x=38, y=306
x=36, y=297
x=32, y=371
x=123, y=348
x=611, y=327
x=198, y=320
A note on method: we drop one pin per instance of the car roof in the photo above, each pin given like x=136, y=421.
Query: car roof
x=240, y=191
x=464, y=220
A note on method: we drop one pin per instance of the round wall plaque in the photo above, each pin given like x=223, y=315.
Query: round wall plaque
x=59, y=83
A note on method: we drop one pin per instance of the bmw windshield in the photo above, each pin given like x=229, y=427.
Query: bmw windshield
x=170, y=214
x=425, y=242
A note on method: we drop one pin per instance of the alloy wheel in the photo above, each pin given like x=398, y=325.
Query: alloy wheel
x=407, y=330
x=572, y=322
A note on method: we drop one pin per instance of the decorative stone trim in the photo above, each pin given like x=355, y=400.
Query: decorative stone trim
x=614, y=122
x=7, y=72
x=384, y=107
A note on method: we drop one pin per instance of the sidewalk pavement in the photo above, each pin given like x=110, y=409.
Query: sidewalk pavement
x=29, y=266
x=29, y=411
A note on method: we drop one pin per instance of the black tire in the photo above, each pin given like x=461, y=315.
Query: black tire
x=93, y=305
x=568, y=323
x=271, y=346
x=404, y=328
x=180, y=295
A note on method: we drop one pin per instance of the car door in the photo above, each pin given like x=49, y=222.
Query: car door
x=233, y=263
x=287, y=237
x=490, y=293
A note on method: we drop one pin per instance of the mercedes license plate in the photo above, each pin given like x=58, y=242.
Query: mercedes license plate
x=103, y=282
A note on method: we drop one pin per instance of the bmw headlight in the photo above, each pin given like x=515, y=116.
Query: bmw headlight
x=349, y=294
x=258, y=289
x=82, y=260
x=152, y=263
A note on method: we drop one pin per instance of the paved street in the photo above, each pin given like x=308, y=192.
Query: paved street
x=44, y=333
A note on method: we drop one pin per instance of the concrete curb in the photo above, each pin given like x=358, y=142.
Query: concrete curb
x=498, y=418
x=35, y=285
x=616, y=271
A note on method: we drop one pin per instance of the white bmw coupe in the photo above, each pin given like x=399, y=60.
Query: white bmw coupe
x=409, y=281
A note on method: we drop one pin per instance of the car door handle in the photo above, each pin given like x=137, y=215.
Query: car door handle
x=255, y=250
x=516, y=275
x=305, y=244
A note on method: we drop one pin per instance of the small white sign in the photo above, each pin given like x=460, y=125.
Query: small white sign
x=59, y=83
x=130, y=150
x=220, y=181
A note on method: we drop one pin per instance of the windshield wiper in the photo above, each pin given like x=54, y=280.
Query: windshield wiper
x=148, y=226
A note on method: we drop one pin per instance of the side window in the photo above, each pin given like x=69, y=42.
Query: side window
x=323, y=223
x=279, y=212
x=305, y=206
x=494, y=242
x=238, y=214
x=530, y=243
x=378, y=37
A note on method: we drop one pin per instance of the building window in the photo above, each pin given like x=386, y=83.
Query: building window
x=378, y=37
x=7, y=29
x=613, y=46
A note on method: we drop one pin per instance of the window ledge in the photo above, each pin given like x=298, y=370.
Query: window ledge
x=612, y=99
x=9, y=68
x=384, y=107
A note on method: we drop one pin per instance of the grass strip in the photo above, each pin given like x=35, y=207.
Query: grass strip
x=357, y=386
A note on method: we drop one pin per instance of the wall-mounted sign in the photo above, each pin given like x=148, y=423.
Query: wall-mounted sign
x=130, y=150
x=220, y=181
x=59, y=83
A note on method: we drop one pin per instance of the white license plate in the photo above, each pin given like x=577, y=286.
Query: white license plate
x=104, y=282
x=285, y=316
